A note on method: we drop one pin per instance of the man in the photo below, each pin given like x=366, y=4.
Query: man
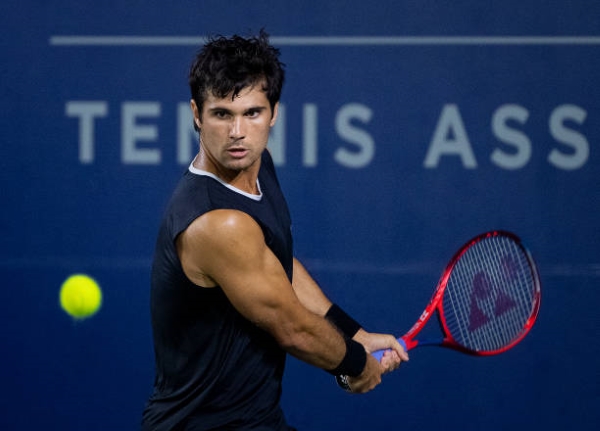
x=228, y=299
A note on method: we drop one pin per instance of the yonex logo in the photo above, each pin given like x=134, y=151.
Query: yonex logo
x=488, y=302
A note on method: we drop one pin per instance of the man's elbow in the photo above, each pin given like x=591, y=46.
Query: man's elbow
x=293, y=337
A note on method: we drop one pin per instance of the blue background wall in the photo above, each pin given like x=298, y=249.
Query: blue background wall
x=392, y=155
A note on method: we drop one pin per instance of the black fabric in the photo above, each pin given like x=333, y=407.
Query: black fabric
x=342, y=320
x=214, y=369
x=354, y=360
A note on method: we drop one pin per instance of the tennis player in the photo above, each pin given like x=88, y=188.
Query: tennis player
x=228, y=298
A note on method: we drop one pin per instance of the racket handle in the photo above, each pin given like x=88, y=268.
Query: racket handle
x=379, y=353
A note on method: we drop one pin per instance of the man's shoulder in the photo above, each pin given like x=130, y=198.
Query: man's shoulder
x=222, y=224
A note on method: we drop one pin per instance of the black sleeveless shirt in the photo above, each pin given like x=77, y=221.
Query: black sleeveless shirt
x=214, y=369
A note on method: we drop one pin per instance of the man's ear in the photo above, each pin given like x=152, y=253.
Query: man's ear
x=196, y=114
x=274, y=116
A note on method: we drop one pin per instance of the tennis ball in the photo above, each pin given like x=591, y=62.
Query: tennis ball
x=80, y=296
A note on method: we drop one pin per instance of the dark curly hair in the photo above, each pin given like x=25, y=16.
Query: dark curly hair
x=228, y=65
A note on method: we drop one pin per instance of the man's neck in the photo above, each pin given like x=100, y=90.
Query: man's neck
x=244, y=180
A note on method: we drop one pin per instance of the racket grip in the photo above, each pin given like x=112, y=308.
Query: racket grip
x=379, y=353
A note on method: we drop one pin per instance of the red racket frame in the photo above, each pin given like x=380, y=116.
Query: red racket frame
x=435, y=304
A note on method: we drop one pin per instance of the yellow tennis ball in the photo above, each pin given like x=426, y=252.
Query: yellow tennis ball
x=80, y=296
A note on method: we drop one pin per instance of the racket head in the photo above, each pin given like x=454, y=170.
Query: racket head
x=489, y=295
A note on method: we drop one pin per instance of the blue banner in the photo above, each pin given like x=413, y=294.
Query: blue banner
x=405, y=129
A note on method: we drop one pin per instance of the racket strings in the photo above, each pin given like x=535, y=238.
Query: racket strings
x=489, y=294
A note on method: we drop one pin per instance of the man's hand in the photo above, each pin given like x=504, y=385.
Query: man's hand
x=394, y=353
x=392, y=358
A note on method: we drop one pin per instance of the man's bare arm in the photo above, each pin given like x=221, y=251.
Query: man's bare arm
x=308, y=291
x=313, y=298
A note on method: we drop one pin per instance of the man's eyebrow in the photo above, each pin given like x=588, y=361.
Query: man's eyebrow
x=228, y=111
x=218, y=108
x=256, y=108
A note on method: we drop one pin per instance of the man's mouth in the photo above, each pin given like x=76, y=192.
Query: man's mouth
x=237, y=152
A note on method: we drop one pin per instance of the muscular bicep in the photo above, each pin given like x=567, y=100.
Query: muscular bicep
x=227, y=248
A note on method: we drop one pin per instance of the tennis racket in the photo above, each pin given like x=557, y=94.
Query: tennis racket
x=487, y=299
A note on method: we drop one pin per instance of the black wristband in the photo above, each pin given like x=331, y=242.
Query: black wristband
x=354, y=360
x=346, y=324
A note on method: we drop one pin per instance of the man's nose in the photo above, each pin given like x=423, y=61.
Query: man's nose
x=237, y=128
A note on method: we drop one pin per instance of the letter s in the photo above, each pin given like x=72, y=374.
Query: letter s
x=513, y=137
x=579, y=144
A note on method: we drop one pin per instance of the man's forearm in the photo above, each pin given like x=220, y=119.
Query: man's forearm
x=308, y=291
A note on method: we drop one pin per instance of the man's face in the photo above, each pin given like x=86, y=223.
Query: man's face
x=234, y=133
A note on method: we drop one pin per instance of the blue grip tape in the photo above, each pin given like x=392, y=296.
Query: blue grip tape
x=379, y=353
